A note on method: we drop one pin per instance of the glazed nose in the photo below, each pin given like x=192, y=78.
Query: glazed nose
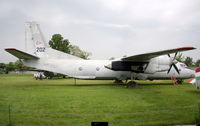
x=192, y=75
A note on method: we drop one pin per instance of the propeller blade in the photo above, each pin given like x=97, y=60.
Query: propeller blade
x=169, y=69
x=175, y=56
x=173, y=63
x=176, y=68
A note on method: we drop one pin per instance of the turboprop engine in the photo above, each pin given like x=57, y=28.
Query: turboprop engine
x=162, y=63
x=158, y=64
x=137, y=67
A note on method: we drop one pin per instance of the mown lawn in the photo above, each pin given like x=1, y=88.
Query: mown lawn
x=59, y=102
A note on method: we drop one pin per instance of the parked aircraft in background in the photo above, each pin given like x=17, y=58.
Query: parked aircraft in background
x=196, y=81
x=154, y=65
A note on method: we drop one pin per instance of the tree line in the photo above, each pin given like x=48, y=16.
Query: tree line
x=188, y=60
x=14, y=66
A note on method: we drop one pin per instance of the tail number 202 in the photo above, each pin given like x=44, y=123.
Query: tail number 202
x=40, y=49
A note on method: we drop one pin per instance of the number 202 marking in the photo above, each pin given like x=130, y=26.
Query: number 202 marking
x=40, y=49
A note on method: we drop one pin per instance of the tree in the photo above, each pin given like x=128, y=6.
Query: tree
x=19, y=65
x=76, y=51
x=57, y=42
x=2, y=68
x=10, y=67
x=188, y=61
x=48, y=74
x=197, y=63
x=180, y=57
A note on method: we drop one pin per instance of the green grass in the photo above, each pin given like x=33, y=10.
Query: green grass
x=59, y=102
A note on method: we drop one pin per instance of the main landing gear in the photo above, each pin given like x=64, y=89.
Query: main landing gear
x=131, y=84
x=176, y=81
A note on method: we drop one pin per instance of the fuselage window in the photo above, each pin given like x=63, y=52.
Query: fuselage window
x=97, y=68
x=80, y=68
x=183, y=65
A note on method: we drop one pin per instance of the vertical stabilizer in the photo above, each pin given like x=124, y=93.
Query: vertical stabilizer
x=35, y=41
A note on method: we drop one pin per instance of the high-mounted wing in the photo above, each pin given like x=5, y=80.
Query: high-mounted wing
x=20, y=54
x=148, y=56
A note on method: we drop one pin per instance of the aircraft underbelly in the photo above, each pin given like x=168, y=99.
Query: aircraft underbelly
x=94, y=70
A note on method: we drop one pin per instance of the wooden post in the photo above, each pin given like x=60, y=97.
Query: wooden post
x=9, y=116
x=74, y=81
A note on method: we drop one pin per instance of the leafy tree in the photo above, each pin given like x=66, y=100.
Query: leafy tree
x=10, y=67
x=19, y=65
x=197, y=63
x=48, y=74
x=76, y=51
x=59, y=43
x=2, y=67
x=188, y=61
x=180, y=57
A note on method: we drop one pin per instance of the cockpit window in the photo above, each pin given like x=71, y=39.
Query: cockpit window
x=183, y=65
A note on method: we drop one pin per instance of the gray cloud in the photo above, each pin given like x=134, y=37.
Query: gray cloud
x=105, y=27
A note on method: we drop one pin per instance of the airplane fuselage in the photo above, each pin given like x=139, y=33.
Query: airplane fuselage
x=96, y=69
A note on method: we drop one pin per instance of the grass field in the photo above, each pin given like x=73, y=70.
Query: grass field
x=59, y=102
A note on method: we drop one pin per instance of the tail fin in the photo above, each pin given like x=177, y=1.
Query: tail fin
x=36, y=45
x=35, y=41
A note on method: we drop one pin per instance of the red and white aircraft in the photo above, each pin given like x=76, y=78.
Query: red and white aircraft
x=153, y=65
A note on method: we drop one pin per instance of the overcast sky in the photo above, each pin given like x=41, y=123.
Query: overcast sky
x=106, y=28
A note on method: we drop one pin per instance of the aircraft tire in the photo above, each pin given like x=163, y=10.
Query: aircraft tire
x=131, y=84
x=180, y=81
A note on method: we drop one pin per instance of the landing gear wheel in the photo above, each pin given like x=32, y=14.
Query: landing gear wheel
x=131, y=84
x=118, y=81
x=180, y=81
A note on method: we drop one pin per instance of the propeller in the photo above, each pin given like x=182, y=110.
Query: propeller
x=173, y=63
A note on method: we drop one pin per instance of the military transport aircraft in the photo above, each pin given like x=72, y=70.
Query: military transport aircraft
x=153, y=65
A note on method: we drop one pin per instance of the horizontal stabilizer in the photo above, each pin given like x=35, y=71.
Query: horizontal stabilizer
x=20, y=54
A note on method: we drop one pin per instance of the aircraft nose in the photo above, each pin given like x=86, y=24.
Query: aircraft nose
x=192, y=74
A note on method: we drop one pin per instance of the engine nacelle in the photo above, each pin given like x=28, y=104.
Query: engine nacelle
x=138, y=67
x=158, y=64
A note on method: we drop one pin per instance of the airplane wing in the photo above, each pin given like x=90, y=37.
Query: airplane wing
x=148, y=56
x=20, y=54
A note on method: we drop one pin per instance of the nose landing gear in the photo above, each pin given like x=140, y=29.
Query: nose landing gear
x=131, y=84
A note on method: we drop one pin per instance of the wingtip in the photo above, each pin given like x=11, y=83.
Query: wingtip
x=10, y=49
x=197, y=69
x=186, y=48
